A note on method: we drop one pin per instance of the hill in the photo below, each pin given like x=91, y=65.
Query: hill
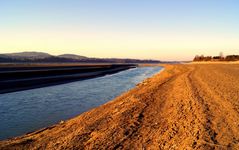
x=39, y=57
x=27, y=55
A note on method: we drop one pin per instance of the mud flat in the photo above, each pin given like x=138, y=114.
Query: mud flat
x=191, y=106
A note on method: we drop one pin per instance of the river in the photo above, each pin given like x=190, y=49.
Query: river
x=25, y=111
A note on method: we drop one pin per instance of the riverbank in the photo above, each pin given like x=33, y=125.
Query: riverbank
x=188, y=106
x=16, y=77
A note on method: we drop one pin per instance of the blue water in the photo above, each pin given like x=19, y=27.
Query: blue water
x=26, y=111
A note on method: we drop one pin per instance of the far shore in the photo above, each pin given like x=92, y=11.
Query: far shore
x=17, y=77
x=215, y=62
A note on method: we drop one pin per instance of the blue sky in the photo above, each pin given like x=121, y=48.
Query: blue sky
x=167, y=30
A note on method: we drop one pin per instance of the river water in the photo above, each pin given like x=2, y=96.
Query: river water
x=29, y=110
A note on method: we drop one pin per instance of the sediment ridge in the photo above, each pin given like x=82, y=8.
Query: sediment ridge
x=190, y=106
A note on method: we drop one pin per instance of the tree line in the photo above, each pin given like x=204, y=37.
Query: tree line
x=216, y=58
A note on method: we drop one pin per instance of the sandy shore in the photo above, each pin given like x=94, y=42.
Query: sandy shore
x=185, y=107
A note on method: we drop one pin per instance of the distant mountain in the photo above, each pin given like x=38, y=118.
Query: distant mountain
x=27, y=55
x=39, y=57
x=72, y=56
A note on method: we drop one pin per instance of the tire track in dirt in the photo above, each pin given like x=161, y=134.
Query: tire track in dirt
x=206, y=138
x=219, y=113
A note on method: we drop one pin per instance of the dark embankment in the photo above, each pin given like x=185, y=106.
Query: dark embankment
x=15, y=78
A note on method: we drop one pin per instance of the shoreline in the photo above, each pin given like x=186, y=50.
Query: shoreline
x=185, y=106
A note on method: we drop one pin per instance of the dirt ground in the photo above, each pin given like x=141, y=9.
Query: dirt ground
x=191, y=106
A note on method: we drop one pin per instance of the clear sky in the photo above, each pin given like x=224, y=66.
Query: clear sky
x=151, y=29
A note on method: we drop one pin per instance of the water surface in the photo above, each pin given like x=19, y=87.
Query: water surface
x=26, y=111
